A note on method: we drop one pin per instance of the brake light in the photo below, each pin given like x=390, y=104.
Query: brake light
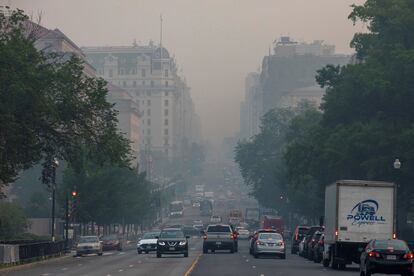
x=297, y=235
x=408, y=256
x=232, y=236
x=336, y=233
x=282, y=244
x=394, y=236
x=205, y=237
x=373, y=254
x=260, y=243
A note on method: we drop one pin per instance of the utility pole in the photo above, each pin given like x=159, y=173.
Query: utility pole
x=67, y=224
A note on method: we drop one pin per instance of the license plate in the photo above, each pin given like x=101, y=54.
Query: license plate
x=391, y=257
x=172, y=248
x=218, y=243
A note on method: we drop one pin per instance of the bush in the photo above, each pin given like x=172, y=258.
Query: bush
x=13, y=220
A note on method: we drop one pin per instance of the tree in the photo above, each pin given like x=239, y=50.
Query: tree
x=12, y=220
x=49, y=108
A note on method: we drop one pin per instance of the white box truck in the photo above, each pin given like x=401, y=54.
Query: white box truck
x=356, y=212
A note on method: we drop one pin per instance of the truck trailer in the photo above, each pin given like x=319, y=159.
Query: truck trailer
x=356, y=212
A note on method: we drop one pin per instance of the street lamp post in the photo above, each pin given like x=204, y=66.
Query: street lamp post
x=397, y=166
x=54, y=164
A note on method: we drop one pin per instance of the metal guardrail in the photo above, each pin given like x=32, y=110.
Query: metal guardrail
x=40, y=249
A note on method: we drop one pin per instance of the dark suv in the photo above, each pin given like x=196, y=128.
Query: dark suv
x=308, y=240
x=297, y=237
x=172, y=241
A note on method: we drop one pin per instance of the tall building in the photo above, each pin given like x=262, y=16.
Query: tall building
x=149, y=74
x=287, y=77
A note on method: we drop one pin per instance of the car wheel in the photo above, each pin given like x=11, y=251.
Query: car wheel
x=146, y=251
x=213, y=251
x=139, y=252
x=205, y=250
x=255, y=255
x=325, y=262
x=100, y=254
x=342, y=266
x=186, y=254
x=158, y=255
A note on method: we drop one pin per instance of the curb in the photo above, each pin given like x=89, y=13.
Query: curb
x=31, y=264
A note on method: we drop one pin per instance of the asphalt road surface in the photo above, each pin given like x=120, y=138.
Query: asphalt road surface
x=129, y=263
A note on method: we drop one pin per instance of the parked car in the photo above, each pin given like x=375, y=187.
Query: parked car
x=255, y=235
x=111, y=242
x=172, y=241
x=243, y=233
x=386, y=256
x=89, y=245
x=318, y=249
x=297, y=237
x=219, y=237
x=301, y=247
x=313, y=241
x=309, y=236
x=269, y=243
x=148, y=242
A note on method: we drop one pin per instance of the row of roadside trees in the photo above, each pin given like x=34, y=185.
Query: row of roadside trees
x=50, y=109
x=365, y=122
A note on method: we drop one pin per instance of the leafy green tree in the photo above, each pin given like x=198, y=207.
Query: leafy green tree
x=49, y=108
x=12, y=220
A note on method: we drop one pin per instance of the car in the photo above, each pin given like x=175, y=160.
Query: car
x=311, y=244
x=190, y=230
x=386, y=256
x=269, y=243
x=219, y=237
x=172, y=241
x=215, y=219
x=148, y=242
x=301, y=247
x=318, y=249
x=297, y=237
x=308, y=237
x=187, y=202
x=255, y=235
x=111, y=242
x=89, y=245
x=198, y=221
x=243, y=233
x=199, y=227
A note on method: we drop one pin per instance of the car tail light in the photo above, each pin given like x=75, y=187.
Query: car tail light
x=282, y=244
x=409, y=256
x=297, y=235
x=205, y=237
x=260, y=243
x=394, y=236
x=233, y=236
x=373, y=254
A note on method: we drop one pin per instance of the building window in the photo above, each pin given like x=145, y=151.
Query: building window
x=165, y=122
x=165, y=102
x=148, y=112
x=166, y=83
x=134, y=84
x=148, y=102
x=124, y=84
x=110, y=73
x=143, y=73
x=166, y=93
x=148, y=131
x=166, y=131
x=152, y=83
x=166, y=73
x=165, y=112
x=166, y=141
x=148, y=122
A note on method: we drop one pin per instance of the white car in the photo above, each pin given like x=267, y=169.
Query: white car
x=148, y=242
x=215, y=219
x=244, y=234
x=89, y=245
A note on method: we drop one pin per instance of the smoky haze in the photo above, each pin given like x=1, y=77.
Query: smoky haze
x=215, y=42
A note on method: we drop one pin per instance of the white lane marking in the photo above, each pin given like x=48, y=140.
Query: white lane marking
x=131, y=265
x=120, y=270
x=108, y=274
x=45, y=274
x=121, y=253
x=108, y=253
x=261, y=274
x=79, y=264
x=65, y=268
x=139, y=262
x=247, y=260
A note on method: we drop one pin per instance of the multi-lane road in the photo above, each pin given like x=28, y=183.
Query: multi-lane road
x=128, y=263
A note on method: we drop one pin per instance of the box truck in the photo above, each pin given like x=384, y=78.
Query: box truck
x=356, y=212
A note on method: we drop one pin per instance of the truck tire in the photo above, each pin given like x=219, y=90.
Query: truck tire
x=341, y=266
x=325, y=262
x=333, y=262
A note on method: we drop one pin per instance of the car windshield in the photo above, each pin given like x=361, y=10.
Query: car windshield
x=390, y=244
x=270, y=236
x=218, y=228
x=88, y=239
x=172, y=234
x=151, y=235
x=109, y=238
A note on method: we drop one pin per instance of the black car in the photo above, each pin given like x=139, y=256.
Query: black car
x=172, y=241
x=386, y=256
x=308, y=237
x=297, y=237
x=318, y=249
x=312, y=243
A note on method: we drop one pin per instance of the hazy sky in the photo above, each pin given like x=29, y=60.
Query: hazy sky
x=216, y=42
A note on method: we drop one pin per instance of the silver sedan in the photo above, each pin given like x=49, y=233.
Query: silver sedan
x=269, y=243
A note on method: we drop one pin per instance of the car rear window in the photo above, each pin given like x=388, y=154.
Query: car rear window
x=270, y=236
x=219, y=228
x=390, y=244
x=303, y=230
